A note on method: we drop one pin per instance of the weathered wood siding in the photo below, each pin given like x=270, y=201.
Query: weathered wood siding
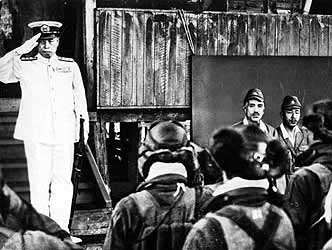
x=143, y=57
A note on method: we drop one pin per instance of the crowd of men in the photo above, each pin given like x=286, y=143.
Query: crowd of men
x=272, y=190
x=255, y=187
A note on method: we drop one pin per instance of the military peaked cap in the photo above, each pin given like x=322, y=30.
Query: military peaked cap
x=255, y=94
x=48, y=29
x=290, y=102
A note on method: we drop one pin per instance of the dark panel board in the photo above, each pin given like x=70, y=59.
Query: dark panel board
x=220, y=83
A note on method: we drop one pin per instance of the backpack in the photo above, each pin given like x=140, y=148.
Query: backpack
x=167, y=229
x=318, y=231
x=250, y=235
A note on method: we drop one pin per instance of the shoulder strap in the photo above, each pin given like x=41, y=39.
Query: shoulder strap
x=262, y=237
x=143, y=197
x=323, y=173
x=5, y=234
x=143, y=201
x=65, y=59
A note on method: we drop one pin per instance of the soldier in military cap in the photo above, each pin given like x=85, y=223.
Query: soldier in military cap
x=53, y=99
x=253, y=108
x=295, y=138
x=159, y=215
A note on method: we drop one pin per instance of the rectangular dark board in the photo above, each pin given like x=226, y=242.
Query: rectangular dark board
x=219, y=84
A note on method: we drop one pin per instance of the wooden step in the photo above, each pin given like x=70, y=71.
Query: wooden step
x=14, y=166
x=91, y=222
x=11, y=150
x=7, y=130
x=9, y=104
x=10, y=142
x=8, y=118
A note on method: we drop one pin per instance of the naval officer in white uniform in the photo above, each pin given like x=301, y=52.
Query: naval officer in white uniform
x=53, y=99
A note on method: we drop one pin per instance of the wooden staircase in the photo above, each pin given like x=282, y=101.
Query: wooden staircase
x=90, y=220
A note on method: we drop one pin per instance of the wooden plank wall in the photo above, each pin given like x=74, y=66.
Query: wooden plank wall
x=143, y=56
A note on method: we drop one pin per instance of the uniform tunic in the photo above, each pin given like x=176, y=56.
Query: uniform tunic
x=53, y=99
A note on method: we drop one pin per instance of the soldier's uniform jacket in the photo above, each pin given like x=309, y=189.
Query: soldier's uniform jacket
x=265, y=127
x=53, y=97
x=302, y=139
x=152, y=219
x=307, y=188
x=22, y=227
x=267, y=225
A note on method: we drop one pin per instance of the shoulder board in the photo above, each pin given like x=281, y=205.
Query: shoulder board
x=28, y=58
x=66, y=59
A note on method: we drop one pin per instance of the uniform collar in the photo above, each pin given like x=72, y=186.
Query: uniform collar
x=261, y=125
x=286, y=135
x=162, y=168
x=47, y=60
x=237, y=182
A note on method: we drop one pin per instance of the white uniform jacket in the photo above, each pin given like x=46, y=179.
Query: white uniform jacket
x=53, y=97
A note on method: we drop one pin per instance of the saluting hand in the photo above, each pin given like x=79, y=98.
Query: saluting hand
x=28, y=45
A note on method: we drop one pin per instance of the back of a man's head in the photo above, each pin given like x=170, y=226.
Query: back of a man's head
x=243, y=152
x=319, y=120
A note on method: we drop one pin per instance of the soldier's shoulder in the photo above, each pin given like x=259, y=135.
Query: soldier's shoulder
x=66, y=59
x=28, y=58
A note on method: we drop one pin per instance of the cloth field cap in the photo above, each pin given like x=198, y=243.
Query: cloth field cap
x=290, y=102
x=48, y=29
x=254, y=94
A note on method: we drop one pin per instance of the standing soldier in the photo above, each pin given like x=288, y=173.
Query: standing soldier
x=296, y=139
x=53, y=99
x=308, y=187
x=160, y=214
x=253, y=108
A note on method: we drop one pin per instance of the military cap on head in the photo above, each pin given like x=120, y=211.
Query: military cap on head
x=255, y=94
x=48, y=29
x=290, y=102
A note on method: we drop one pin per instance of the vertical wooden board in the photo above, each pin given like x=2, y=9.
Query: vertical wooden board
x=243, y=34
x=104, y=38
x=89, y=40
x=160, y=57
x=187, y=73
x=294, y=36
x=283, y=36
x=261, y=35
x=271, y=35
x=181, y=65
x=128, y=92
x=168, y=24
x=116, y=57
x=97, y=59
x=305, y=35
x=223, y=34
x=202, y=35
x=324, y=36
x=149, y=98
x=233, y=47
x=138, y=56
x=213, y=31
x=172, y=76
x=187, y=70
x=330, y=35
x=101, y=150
x=252, y=31
x=192, y=24
x=314, y=35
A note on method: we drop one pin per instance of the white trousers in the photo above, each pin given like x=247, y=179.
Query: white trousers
x=49, y=171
